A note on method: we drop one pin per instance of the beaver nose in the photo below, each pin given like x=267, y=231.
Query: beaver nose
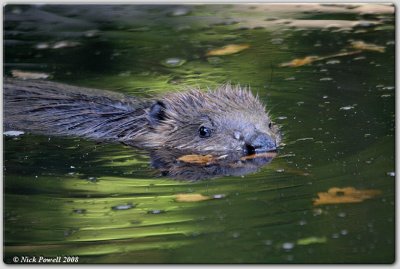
x=260, y=142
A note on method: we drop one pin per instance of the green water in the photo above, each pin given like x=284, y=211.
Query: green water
x=103, y=203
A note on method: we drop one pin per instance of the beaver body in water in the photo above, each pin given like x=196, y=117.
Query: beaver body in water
x=228, y=119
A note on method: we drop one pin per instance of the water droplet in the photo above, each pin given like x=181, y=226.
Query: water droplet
x=346, y=108
x=389, y=88
x=333, y=62
x=123, y=207
x=391, y=174
x=41, y=46
x=364, y=24
x=305, y=138
x=325, y=79
x=288, y=246
x=91, y=33
x=236, y=235
x=64, y=44
x=360, y=58
x=317, y=212
x=333, y=26
x=341, y=214
x=155, y=211
x=13, y=133
x=92, y=179
x=344, y=232
x=180, y=11
x=280, y=170
x=302, y=222
x=218, y=196
x=79, y=211
x=173, y=62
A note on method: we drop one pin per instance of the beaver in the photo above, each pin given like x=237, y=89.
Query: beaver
x=221, y=121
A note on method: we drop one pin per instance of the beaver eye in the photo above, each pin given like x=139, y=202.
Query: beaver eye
x=204, y=132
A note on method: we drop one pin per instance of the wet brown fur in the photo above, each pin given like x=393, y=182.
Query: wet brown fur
x=232, y=113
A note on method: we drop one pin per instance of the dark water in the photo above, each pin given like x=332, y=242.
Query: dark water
x=105, y=204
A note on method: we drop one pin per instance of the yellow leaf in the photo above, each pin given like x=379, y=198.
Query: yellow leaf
x=227, y=50
x=300, y=62
x=361, y=45
x=311, y=59
x=191, y=197
x=344, y=195
x=311, y=240
x=198, y=159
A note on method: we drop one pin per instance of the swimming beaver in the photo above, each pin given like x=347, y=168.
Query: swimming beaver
x=228, y=119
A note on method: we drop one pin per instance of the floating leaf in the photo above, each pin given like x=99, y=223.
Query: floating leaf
x=311, y=240
x=259, y=155
x=300, y=62
x=344, y=195
x=227, y=50
x=361, y=45
x=198, y=159
x=28, y=75
x=191, y=197
x=311, y=59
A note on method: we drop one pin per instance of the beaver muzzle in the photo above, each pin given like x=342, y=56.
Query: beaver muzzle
x=260, y=142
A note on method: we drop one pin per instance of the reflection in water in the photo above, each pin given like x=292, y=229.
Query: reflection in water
x=185, y=165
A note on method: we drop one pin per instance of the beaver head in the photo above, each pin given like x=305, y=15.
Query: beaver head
x=228, y=119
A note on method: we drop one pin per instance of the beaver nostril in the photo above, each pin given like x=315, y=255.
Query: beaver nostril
x=260, y=142
x=250, y=149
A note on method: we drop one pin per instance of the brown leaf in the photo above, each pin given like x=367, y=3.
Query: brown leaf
x=361, y=45
x=191, y=197
x=344, y=195
x=227, y=50
x=259, y=155
x=198, y=159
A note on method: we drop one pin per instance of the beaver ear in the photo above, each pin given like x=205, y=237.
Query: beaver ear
x=156, y=113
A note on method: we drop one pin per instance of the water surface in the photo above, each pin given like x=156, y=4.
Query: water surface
x=104, y=203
